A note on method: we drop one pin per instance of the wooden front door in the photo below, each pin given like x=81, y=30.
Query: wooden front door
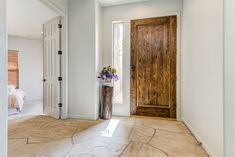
x=153, y=67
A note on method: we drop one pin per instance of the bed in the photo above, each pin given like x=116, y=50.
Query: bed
x=15, y=98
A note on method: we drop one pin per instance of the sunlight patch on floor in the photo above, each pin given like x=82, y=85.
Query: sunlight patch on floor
x=112, y=126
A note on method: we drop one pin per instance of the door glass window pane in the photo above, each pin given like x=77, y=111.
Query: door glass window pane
x=118, y=60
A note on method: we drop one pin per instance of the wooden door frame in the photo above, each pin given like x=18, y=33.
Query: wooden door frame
x=179, y=62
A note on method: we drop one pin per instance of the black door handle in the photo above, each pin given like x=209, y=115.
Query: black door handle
x=132, y=71
x=44, y=80
x=133, y=67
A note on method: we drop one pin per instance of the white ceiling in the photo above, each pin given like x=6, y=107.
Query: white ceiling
x=26, y=17
x=106, y=3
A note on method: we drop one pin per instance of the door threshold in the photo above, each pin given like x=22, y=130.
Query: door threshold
x=150, y=117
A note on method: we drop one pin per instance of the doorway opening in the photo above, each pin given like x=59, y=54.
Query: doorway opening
x=27, y=59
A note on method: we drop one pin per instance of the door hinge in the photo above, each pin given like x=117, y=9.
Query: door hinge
x=60, y=52
x=60, y=105
x=60, y=78
x=59, y=25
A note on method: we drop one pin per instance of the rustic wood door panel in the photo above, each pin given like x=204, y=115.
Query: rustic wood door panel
x=153, y=67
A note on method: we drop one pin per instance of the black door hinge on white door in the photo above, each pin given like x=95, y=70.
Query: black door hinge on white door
x=59, y=25
x=60, y=78
x=60, y=104
x=60, y=52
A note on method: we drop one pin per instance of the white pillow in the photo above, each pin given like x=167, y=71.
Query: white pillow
x=11, y=88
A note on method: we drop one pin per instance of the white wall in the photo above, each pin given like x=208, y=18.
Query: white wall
x=3, y=80
x=125, y=13
x=98, y=26
x=203, y=72
x=229, y=89
x=30, y=66
x=59, y=6
x=83, y=59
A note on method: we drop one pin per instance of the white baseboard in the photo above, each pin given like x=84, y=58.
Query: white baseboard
x=82, y=117
x=199, y=139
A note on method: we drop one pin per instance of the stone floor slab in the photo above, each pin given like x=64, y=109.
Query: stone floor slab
x=43, y=136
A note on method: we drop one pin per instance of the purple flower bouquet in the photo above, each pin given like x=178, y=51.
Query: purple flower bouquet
x=108, y=74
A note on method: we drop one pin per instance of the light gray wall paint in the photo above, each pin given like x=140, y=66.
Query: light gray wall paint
x=106, y=3
x=98, y=26
x=61, y=4
x=83, y=58
x=203, y=72
x=3, y=80
x=58, y=6
x=30, y=66
x=125, y=13
x=229, y=71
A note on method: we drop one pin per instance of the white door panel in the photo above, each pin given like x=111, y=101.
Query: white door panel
x=51, y=66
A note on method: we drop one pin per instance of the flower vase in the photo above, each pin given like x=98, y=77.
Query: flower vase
x=107, y=82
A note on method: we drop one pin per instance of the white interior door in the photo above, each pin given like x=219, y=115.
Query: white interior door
x=51, y=86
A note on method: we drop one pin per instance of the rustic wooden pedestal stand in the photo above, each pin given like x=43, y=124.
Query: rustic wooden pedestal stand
x=107, y=105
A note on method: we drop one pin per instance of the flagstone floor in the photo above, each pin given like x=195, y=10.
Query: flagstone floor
x=43, y=136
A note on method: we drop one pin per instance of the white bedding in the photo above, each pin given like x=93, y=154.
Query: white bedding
x=16, y=99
